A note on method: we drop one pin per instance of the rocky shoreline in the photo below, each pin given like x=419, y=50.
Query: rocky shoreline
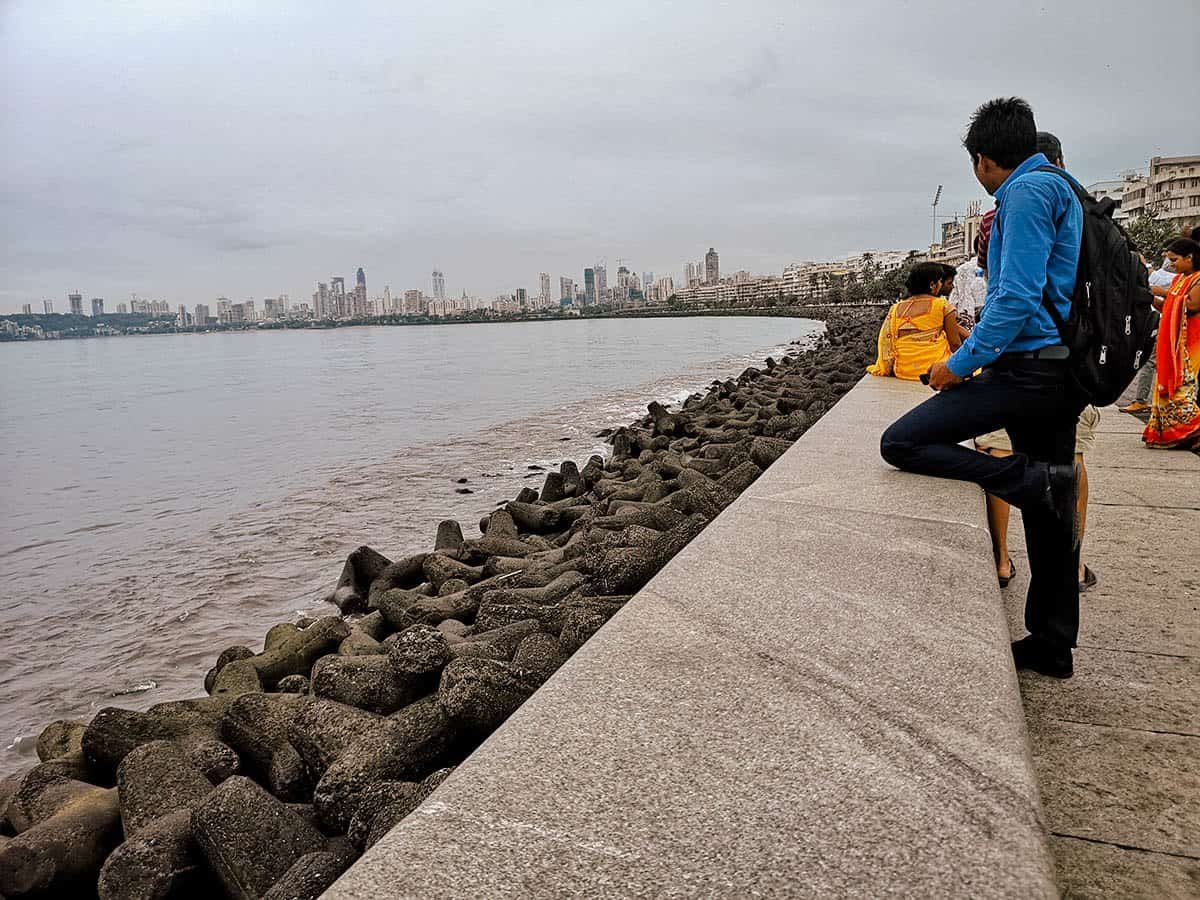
x=301, y=756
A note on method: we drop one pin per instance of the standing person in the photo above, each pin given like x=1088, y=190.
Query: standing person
x=967, y=292
x=919, y=330
x=1143, y=385
x=997, y=444
x=1024, y=388
x=1174, y=415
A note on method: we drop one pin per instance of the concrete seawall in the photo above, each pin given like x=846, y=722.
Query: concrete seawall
x=815, y=697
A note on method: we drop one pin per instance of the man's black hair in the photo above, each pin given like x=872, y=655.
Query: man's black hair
x=1003, y=130
x=1186, y=247
x=1050, y=146
x=1195, y=235
x=921, y=278
x=948, y=271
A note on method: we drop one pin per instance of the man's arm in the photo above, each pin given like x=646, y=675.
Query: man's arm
x=1015, y=292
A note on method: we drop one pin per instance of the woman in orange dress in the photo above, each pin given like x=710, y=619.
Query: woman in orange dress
x=1174, y=414
x=919, y=330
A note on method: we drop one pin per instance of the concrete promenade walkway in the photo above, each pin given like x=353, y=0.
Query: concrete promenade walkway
x=815, y=698
x=1117, y=747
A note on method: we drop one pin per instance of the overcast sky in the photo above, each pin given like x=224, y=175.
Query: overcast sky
x=190, y=150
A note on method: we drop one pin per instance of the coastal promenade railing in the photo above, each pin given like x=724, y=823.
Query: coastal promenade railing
x=815, y=697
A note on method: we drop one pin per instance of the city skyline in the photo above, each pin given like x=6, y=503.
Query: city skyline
x=138, y=159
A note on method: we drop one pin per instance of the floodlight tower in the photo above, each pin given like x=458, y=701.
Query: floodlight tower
x=936, y=197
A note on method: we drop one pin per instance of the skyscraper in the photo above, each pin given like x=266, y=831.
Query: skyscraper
x=544, y=293
x=439, y=285
x=97, y=306
x=201, y=316
x=358, y=305
x=712, y=267
x=27, y=309
x=589, y=287
x=566, y=289
x=48, y=306
x=339, y=308
x=76, y=301
x=601, y=279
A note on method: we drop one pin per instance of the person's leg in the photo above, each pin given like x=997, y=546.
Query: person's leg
x=927, y=440
x=998, y=514
x=1143, y=386
x=1083, y=501
x=1052, y=603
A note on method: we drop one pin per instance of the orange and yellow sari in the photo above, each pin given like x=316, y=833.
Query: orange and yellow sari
x=909, y=345
x=1174, y=415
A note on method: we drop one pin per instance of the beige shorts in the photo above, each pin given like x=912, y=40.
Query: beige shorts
x=1085, y=434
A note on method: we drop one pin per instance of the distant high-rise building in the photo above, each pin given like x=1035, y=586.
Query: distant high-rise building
x=358, y=298
x=566, y=289
x=248, y=311
x=439, y=285
x=544, y=293
x=97, y=306
x=122, y=309
x=522, y=298
x=48, y=307
x=201, y=316
x=601, y=280
x=337, y=298
x=414, y=303
x=27, y=309
x=647, y=280
x=76, y=301
x=589, y=287
x=712, y=267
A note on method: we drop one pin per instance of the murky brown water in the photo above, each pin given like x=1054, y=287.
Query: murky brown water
x=164, y=498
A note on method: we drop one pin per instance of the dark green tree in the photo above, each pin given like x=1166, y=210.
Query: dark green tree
x=1150, y=234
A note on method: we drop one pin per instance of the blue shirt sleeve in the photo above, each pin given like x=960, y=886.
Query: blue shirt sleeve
x=1015, y=289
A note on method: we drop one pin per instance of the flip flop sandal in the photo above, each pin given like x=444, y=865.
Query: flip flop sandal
x=1089, y=580
x=1012, y=573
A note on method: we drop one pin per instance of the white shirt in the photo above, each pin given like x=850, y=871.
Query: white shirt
x=1161, y=278
x=968, y=294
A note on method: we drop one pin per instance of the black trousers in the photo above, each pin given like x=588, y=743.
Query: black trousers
x=1031, y=399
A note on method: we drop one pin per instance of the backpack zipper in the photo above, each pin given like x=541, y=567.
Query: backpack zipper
x=1103, y=354
x=1128, y=325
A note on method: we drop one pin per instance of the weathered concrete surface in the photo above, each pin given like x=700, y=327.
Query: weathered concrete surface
x=1117, y=748
x=815, y=697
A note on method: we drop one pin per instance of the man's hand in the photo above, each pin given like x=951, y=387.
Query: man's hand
x=941, y=378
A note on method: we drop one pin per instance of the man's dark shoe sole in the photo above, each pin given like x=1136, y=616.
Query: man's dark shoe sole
x=1037, y=655
x=1064, y=497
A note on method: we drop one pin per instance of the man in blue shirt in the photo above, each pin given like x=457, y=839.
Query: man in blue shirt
x=1023, y=388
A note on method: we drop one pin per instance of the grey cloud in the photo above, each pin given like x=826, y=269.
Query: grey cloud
x=245, y=150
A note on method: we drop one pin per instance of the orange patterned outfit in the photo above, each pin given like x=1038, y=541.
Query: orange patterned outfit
x=1174, y=415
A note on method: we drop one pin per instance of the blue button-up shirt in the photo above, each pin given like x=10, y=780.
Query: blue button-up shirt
x=1034, y=247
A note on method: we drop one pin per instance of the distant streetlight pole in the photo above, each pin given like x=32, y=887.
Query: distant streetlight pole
x=936, y=197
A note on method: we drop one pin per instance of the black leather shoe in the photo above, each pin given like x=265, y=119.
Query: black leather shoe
x=1064, y=497
x=1038, y=655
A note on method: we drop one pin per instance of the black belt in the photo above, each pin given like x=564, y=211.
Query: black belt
x=1056, y=352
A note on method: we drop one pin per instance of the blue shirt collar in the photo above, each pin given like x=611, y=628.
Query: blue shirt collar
x=1038, y=159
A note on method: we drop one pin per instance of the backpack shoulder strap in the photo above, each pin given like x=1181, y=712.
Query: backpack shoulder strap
x=1076, y=188
x=1084, y=197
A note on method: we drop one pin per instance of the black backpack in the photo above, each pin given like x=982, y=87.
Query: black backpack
x=1112, y=325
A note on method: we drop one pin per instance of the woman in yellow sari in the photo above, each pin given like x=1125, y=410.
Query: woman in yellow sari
x=919, y=330
x=1174, y=414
